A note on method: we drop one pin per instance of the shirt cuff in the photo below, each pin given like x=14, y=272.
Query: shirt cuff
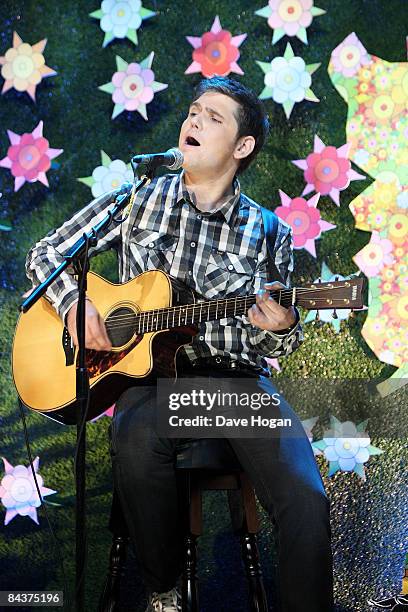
x=288, y=331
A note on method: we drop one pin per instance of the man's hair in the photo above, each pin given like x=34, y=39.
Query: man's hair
x=252, y=118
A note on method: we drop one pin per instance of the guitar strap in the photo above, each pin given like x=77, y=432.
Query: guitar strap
x=270, y=224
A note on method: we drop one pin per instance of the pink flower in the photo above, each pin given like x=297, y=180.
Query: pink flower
x=18, y=491
x=375, y=255
x=327, y=170
x=132, y=86
x=216, y=52
x=304, y=219
x=290, y=17
x=349, y=56
x=29, y=157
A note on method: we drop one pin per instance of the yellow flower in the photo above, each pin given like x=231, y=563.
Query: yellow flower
x=385, y=195
x=399, y=92
x=398, y=228
x=23, y=66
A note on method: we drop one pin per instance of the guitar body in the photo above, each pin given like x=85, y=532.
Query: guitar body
x=44, y=360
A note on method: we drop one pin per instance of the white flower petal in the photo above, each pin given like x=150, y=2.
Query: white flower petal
x=279, y=95
x=99, y=173
x=107, y=5
x=297, y=95
x=129, y=176
x=305, y=80
x=120, y=30
x=330, y=453
x=363, y=455
x=270, y=79
x=97, y=190
x=278, y=63
x=106, y=23
x=117, y=165
x=135, y=21
x=347, y=465
x=298, y=64
x=135, y=5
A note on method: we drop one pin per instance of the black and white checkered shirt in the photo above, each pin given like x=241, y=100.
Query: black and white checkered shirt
x=219, y=253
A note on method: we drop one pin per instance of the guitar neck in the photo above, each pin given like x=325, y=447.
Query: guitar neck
x=339, y=294
x=199, y=312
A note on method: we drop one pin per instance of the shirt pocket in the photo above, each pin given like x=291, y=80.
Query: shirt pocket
x=154, y=250
x=228, y=274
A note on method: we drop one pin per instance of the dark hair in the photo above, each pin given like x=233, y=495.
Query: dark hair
x=252, y=118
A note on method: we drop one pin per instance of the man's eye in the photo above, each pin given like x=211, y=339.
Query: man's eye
x=192, y=113
x=216, y=120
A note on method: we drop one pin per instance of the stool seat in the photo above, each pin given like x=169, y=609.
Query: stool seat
x=207, y=454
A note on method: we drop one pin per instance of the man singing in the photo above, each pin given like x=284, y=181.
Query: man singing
x=200, y=228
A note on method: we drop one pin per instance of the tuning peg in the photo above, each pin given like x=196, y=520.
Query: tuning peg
x=317, y=316
x=319, y=280
x=336, y=278
x=334, y=314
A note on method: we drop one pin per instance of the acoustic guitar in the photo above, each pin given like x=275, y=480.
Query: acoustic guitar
x=148, y=319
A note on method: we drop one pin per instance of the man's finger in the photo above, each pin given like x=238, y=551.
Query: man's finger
x=274, y=285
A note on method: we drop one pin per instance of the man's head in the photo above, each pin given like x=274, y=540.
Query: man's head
x=225, y=128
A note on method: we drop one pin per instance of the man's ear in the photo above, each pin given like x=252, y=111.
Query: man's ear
x=244, y=147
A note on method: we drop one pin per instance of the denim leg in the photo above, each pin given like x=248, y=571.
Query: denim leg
x=289, y=486
x=145, y=480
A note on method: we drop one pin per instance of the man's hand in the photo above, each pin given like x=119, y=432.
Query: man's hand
x=96, y=336
x=268, y=314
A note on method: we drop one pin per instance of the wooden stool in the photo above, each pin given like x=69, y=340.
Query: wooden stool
x=204, y=464
x=210, y=465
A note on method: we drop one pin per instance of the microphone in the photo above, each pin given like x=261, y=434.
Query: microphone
x=172, y=159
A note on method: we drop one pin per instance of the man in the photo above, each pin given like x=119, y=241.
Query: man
x=200, y=228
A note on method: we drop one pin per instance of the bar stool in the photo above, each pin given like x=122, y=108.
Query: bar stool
x=201, y=465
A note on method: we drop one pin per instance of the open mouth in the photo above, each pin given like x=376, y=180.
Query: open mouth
x=190, y=140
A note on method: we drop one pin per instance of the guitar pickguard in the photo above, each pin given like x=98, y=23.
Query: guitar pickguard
x=98, y=362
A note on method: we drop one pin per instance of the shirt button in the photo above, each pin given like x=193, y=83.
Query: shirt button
x=199, y=217
x=189, y=272
x=185, y=205
x=230, y=267
x=201, y=337
x=193, y=244
x=151, y=245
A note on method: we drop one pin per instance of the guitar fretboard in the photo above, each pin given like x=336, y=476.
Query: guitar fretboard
x=193, y=314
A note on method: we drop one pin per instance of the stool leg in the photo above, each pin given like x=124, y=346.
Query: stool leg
x=189, y=589
x=258, y=602
x=111, y=588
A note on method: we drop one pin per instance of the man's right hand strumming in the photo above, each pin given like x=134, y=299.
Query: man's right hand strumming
x=96, y=336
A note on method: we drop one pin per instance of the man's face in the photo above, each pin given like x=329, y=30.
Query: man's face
x=208, y=136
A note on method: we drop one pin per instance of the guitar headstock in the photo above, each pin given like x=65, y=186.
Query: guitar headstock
x=347, y=293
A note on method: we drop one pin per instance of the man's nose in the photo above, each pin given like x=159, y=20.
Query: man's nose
x=196, y=121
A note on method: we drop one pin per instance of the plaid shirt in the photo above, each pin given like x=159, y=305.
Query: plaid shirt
x=219, y=253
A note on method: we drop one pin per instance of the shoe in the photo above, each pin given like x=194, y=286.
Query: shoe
x=165, y=602
x=402, y=600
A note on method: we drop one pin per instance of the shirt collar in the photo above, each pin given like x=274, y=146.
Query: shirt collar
x=228, y=209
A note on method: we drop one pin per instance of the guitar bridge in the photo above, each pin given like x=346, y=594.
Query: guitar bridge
x=68, y=347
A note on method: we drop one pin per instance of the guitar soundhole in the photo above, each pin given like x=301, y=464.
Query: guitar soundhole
x=121, y=326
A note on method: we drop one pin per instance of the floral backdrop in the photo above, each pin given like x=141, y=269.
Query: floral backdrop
x=334, y=82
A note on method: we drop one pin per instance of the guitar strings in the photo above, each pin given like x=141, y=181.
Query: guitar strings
x=287, y=293
x=145, y=319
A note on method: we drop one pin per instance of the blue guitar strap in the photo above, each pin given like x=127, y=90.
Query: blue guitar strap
x=270, y=224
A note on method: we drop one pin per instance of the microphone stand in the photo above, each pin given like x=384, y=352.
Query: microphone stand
x=78, y=256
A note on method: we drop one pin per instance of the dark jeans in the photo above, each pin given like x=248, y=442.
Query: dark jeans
x=283, y=472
